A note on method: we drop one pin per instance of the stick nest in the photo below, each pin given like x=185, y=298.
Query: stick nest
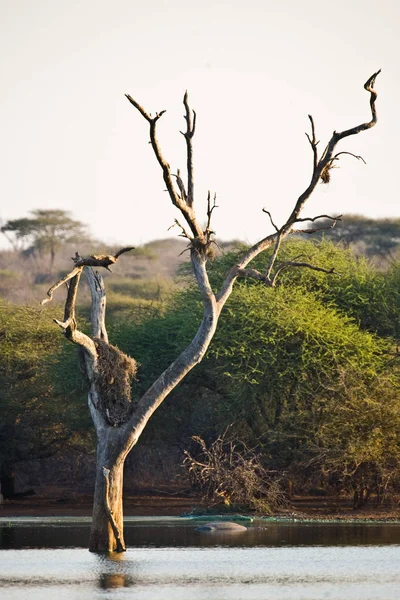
x=326, y=172
x=116, y=370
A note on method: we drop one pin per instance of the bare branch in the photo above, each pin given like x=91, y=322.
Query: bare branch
x=292, y=263
x=140, y=108
x=69, y=324
x=312, y=219
x=98, y=305
x=327, y=155
x=358, y=157
x=253, y=274
x=184, y=232
x=274, y=254
x=316, y=229
x=53, y=288
x=123, y=250
x=210, y=208
x=313, y=142
x=181, y=185
x=213, y=304
x=188, y=135
x=91, y=261
x=270, y=218
x=185, y=206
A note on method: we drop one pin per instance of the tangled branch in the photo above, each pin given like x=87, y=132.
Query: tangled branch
x=229, y=472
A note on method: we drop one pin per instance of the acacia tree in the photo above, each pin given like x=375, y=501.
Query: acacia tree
x=44, y=232
x=118, y=421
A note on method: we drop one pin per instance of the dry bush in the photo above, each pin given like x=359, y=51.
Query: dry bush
x=229, y=472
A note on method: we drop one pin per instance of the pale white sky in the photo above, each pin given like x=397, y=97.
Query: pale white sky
x=254, y=70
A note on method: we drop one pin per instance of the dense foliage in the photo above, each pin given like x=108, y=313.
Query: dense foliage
x=305, y=375
x=42, y=406
x=307, y=372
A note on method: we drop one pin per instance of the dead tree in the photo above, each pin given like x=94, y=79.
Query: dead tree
x=117, y=421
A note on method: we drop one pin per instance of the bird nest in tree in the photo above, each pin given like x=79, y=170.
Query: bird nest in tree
x=116, y=370
x=326, y=172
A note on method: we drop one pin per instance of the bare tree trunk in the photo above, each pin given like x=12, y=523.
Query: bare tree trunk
x=107, y=523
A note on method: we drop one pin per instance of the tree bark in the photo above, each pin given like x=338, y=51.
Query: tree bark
x=107, y=531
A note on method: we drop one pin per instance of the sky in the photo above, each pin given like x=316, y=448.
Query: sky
x=254, y=70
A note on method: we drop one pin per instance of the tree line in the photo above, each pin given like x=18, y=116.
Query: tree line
x=306, y=375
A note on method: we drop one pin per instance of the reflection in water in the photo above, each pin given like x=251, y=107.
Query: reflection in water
x=113, y=571
x=182, y=533
x=113, y=580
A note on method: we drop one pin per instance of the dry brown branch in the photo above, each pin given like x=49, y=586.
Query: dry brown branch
x=316, y=229
x=210, y=208
x=327, y=155
x=318, y=167
x=326, y=175
x=181, y=185
x=292, y=263
x=274, y=254
x=184, y=233
x=98, y=304
x=188, y=135
x=313, y=141
x=313, y=219
x=228, y=471
x=358, y=157
x=253, y=274
x=184, y=204
x=270, y=218
x=53, y=288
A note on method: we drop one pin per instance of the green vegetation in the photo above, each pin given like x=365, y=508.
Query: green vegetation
x=305, y=375
x=42, y=403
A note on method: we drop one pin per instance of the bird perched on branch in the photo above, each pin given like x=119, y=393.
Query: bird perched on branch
x=100, y=260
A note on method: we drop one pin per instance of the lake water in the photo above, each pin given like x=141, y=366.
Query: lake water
x=167, y=559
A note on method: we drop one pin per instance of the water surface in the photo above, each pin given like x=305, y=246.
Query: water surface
x=47, y=559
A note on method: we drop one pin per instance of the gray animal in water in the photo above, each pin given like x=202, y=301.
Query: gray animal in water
x=221, y=527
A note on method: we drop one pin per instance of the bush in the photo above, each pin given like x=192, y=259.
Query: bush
x=229, y=472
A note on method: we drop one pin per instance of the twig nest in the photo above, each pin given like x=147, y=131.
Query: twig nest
x=116, y=370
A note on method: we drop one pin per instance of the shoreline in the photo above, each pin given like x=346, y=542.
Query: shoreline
x=152, y=504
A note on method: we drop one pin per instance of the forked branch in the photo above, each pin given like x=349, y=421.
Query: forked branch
x=184, y=199
x=319, y=164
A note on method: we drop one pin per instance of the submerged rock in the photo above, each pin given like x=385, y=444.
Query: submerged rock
x=221, y=527
x=230, y=517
